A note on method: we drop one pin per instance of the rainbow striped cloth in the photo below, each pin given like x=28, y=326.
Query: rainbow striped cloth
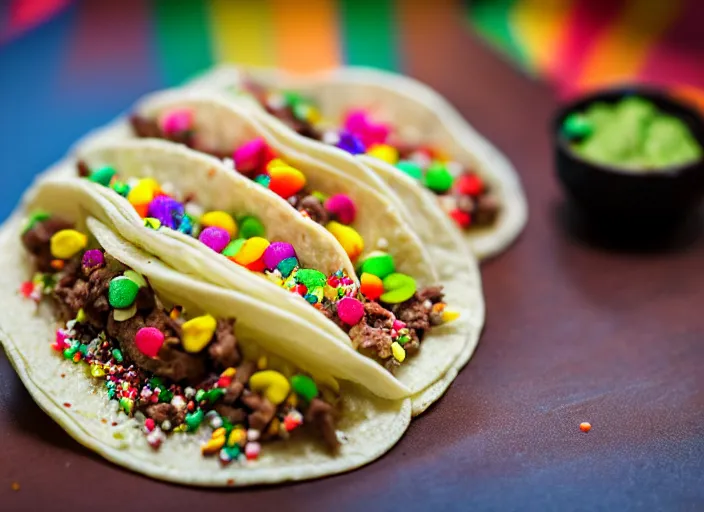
x=575, y=44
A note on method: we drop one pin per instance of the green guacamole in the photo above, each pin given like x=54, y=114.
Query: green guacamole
x=631, y=134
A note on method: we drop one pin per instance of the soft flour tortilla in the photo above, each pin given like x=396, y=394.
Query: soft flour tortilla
x=419, y=114
x=76, y=198
x=222, y=126
x=370, y=425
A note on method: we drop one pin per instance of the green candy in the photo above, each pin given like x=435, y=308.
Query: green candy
x=400, y=288
x=156, y=382
x=194, y=419
x=232, y=451
x=577, y=126
x=319, y=196
x=200, y=394
x=410, y=168
x=438, y=178
x=38, y=216
x=117, y=354
x=121, y=188
x=126, y=405
x=215, y=394
x=233, y=247
x=165, y=396
x=311, y=278
x=250, y=227
x=379, y=264
x=122, y=292
x=103, y=175
x=304, y=387
x=263, y=180
x=287, y=265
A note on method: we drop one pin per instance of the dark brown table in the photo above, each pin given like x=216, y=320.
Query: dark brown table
x=578, y=330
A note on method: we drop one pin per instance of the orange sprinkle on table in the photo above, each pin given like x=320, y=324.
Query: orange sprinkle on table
x=15, y=486
x=585, y=426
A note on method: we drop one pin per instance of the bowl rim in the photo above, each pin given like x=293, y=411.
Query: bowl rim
x=624, y=90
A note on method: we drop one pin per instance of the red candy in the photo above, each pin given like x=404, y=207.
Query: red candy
x=253, y=156
x=350, y=310
x=463, y=219
x=149, y=340
x=27, y=288
x=470, y=185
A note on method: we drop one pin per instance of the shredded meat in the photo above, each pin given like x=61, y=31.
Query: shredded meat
x=37, y=241
x=171, y=362
x=314, y=208
x=432, y=293
x=149, y=128
x=320, y=413
x=163, y=412
x=245, y=371
x=83, y=169
x=415, y=313
x=488, y=207
x=377, y=316
x=263, y=410
x=223, y=349
x=234, y=415
x=233, y=392
x=371, y=338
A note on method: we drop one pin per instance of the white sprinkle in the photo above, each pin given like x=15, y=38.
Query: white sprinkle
x=382, y=243
x=229, y=163
x=216, y=422
x=189, y=392
x=427, y=304
x=252, y=434
x=166, y=425
x=178, y=401
x=194, y=210
x=331, y=137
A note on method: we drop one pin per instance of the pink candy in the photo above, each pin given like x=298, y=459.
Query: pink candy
x=276, y=252
x=252, y=156
x=149, y=340
x=359, y=123
x=177, y=121
x=214, y=237
x=342, y=207
x=350, y=310
x=398, y=325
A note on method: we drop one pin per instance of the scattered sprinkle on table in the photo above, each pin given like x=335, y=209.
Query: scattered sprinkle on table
x=585, y=426
x=15, y=486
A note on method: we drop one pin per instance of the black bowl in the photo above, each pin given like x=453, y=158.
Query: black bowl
x=618, y=196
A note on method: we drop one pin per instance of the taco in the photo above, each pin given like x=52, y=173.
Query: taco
x=409, y=135
x=224, y=129
x=397, y=307
x=170, y=376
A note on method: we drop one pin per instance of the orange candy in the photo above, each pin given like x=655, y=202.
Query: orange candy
x=286, y=181
x=142, y=209
x=371, y=286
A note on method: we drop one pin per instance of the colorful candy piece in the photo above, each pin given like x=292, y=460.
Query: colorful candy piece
x=252, y=156
x=169, y=211
x=378, y=263
x=410, y=168
x=122, y=292
x=273, y=385
x=304, y=387
x=388, y=154
x=197, y=333
x=398, y=352
x=93, y=258
x=371, y=286
x=143, y=192
x=350, y=143
x=215, y=238
x=103, y=176
x=220, y=219
x=438, y=178
x=470, y=185
x=67, y=243
x=178, y=120
x=463, y=219
x=152, y=223
x=251, y=227
x=350, y=310
x=276, y=252
x=287, y=265
x=233, y=247
x=342, y=208
x=351, y=242
x=149, y=340
x=251, y=251
x=286, y=181
x=577, y=126
x=399, y=288
x=136, y=277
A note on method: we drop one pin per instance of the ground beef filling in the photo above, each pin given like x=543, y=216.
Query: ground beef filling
x=86, y=289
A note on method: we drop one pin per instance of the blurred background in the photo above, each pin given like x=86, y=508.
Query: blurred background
x=70, y=65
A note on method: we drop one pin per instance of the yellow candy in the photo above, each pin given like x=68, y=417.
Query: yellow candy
x=81, y=316
x=449, y=316
x=251, y=250
x=220, y=432
x=348, y=238
x=213, y=446
x=143, y=192
x=262, y=363
x=96, y=371
x=221, y=220
x=66, y=243
x=230, y=372
x=237, y=436
x=152, y=223
x=398, y=352
x=273, y=385
x=286, y=181
x=197, y=332
x=388, y=154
